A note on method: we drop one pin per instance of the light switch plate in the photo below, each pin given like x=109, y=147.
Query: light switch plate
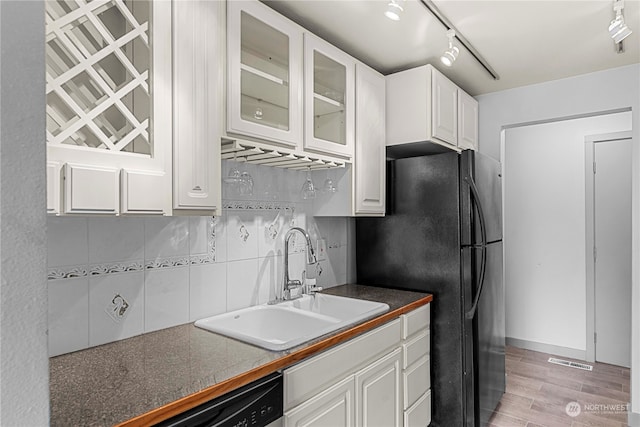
x=321, y=249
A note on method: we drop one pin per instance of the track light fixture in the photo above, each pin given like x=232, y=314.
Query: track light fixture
x=394, y=10
x=618, y=30
x=450, y=55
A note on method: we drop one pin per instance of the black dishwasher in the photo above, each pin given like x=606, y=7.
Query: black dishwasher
x=253, y=405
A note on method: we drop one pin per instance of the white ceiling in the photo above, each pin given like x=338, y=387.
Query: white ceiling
x=525, y=42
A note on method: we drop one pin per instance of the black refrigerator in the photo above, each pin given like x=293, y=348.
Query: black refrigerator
x=443, y=234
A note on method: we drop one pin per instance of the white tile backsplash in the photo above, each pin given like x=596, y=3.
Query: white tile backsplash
x=242, y=235
x=243, y=287
x=199, y=230
x=68, y=241
x=220, y=226
x=116, y=307
x=166, y=298
x=166, y=237
x=115, y=239
x=68, y=315
x=271, y=230
x=207, y=290
x=271, y=277
x=115, y=256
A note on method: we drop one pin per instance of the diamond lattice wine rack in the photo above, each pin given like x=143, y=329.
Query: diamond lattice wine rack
x=97, y=71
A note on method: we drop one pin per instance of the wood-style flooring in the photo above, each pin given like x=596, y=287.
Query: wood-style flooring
x=538, y=393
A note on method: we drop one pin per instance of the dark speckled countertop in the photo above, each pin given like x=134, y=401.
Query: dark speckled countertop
x=112, y=383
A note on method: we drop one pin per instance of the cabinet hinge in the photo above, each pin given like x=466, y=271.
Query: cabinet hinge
x=594, y=168
x=595, y=253
x=595, y=337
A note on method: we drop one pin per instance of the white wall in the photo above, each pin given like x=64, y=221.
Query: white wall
x=166, y=269
x=24, y=368
x=544, y=229
x=593, y=93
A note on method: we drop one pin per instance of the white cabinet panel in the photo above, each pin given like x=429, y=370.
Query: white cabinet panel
x=53, y=187
x=378, y=393
x=329, y=107
x=467, y=121
x=416, y=348
x=407, y=106
x=308, y=378
x=91, y=189
x=142, y=192
x=444, y=108
x=333, y=407
x=419, y=415
x=197, y=44
x=264, y=74
x=417, y=380
x=416, y=321
x=369, y=161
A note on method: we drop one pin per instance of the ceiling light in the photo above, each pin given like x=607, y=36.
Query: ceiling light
x=450, y=55
x=393, y=10
x=618, y=30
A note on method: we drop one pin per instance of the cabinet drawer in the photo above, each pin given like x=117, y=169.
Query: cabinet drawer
x=310, y=377
x=416, y=348
x=419, y=415
x=417, y=380
x=415, y=321
x=91, y=189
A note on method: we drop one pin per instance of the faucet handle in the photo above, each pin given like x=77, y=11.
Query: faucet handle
x=294, y=289
x=293, y=284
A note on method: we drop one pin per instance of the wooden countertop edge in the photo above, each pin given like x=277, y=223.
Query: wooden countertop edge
x=174, y=408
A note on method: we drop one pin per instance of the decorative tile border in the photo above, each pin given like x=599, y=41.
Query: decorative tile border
x=256, y=205
x=67, y=272
x=167, y=263
x=123, y=267
x=75, y=271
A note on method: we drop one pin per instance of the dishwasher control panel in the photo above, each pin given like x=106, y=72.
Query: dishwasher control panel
x=254, y=405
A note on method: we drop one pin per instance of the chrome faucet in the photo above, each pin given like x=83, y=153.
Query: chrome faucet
x=295, y=285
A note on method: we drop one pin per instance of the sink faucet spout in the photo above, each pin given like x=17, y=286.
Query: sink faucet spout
x=295, y=285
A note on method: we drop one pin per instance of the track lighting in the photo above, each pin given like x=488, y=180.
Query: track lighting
x=450, y=55
x=618, y=30
x=394, y=10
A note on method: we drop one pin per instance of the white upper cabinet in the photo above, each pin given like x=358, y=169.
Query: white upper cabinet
x=423, y=105
x=369, y=162
x=329, y=77
x=108, y=107
x=134, y=110
x=198, y=86
x=264, y=82
x=444, y=108
x=360, y=186
x=467, y=121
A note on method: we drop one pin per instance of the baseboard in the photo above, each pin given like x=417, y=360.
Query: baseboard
x=634, y=419
x=572, y=353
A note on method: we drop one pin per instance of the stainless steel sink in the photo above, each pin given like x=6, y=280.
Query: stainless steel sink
x=291, y=323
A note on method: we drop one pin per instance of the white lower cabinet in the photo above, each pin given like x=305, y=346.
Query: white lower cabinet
x=378, y=392
x=381, y=378
x=419, y=414
x=333, y=407
x=416, y=374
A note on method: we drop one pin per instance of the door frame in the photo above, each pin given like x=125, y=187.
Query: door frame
x=589, y=141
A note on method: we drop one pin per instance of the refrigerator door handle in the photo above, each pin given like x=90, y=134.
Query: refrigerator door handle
x=483, y=235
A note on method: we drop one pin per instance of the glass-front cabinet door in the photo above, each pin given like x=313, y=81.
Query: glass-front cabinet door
x=264, y=75
x=329, y=98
